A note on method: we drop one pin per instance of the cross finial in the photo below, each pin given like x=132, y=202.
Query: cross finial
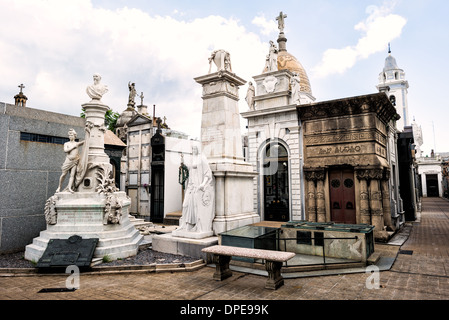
x=21, y=87
x=389, y=48
x=141, y=98
x=280, y=20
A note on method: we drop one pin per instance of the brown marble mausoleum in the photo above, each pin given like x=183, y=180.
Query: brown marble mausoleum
x=345, y=160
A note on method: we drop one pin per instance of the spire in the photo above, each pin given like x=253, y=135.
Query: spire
x=389, y=48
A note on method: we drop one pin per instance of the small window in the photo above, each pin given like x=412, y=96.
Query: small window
x=35, y=137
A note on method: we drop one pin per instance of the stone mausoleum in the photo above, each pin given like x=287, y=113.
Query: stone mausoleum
x=318, y=161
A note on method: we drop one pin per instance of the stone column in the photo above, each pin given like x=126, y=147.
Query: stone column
x=377, y=214
x=376, y=204
x=221, y=142
x=386, y=199
x=320, y=201
x=98, y=160
x=364, y=196
x=311, y=201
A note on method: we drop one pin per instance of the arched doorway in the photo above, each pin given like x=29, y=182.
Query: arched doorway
x=276, y=182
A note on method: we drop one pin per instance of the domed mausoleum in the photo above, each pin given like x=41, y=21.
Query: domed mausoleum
x=317, y=161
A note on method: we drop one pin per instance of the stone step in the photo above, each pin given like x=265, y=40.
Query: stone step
x=85, y=232
x=116, y=245
x=172, y=218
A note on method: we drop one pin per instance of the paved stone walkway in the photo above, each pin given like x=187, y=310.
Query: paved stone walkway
x=420, y=272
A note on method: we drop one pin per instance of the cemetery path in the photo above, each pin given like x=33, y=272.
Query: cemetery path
x=420, y=272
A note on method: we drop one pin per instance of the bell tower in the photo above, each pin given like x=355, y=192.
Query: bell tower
x=392, y=81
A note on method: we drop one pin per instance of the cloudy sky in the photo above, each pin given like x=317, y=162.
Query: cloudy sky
x=53, y=47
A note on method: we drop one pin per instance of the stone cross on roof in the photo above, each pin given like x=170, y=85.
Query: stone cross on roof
x=159, y=121
x=21, y=87
x=141, y=98
x=280, y=20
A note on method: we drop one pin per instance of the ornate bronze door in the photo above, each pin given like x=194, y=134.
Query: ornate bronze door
x=342, y=196
x=276, y=184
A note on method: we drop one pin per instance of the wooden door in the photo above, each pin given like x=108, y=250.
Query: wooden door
x=342, y=196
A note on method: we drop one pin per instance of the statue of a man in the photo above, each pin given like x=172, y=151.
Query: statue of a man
x=96, y=90
x=71, y=161
x=198, y=209
x=250, y=94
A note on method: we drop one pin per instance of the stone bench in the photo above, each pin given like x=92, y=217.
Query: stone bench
x=273, y=262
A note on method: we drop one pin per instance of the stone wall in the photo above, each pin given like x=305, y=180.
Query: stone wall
x=29, y=170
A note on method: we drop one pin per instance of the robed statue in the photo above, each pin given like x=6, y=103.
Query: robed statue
x=198, y=208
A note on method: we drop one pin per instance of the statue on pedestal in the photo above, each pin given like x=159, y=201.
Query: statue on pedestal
x=198, y=209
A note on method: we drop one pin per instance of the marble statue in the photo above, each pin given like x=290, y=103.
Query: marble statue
x=198, y=209
x=272, y=58
x=222, y=60
x=71, y=161
x=295, y=87
x=250, y=94
x=132, y=94
x=96, y=90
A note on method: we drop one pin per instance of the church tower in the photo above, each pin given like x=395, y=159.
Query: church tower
x=392, y=81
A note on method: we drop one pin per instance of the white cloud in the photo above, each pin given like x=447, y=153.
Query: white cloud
x=267, y=27
x=54, y=47
x=378, y=29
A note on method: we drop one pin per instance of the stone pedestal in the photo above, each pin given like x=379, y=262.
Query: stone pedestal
x=97, y=209
x=83, y=214
x=221, y=140
x=97, y=158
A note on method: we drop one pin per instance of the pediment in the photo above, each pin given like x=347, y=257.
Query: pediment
x=138, y=119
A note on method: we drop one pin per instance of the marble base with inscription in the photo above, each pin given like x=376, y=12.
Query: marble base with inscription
x=83, y=214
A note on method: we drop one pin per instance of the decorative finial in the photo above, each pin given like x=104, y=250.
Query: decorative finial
x=389, y=48
x=21, y=87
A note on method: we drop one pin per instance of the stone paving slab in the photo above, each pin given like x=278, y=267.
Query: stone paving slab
x=421, y=275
